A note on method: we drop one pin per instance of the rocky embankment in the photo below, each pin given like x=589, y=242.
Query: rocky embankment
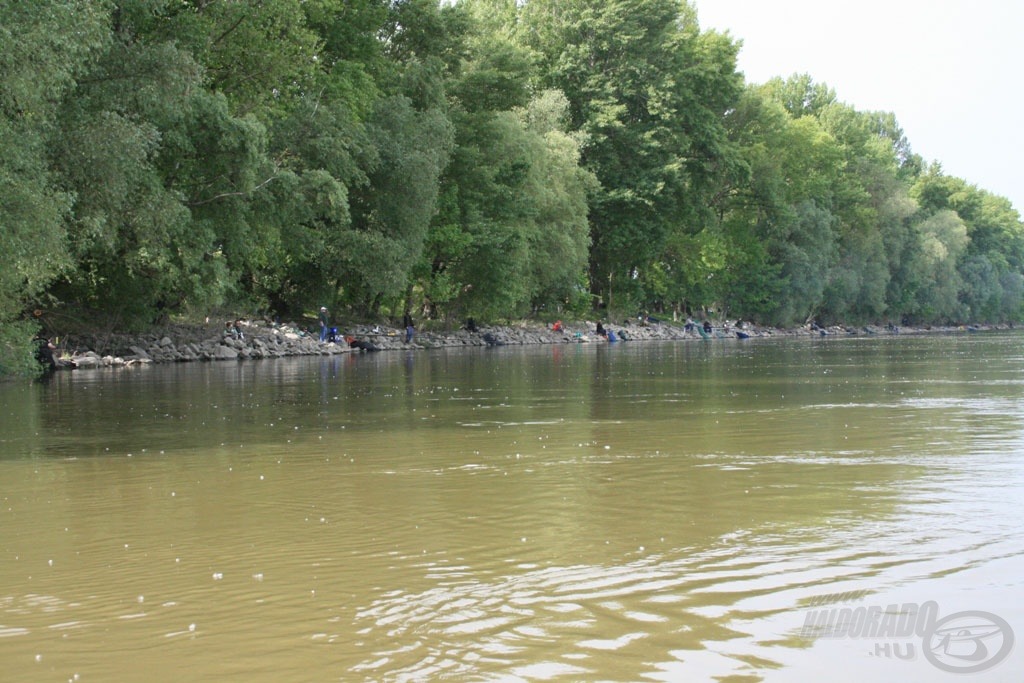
x=261, y=340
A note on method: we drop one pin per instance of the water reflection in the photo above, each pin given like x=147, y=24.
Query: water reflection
x=633, y=512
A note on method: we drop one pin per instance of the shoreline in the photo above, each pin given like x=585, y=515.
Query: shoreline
x=258, y=340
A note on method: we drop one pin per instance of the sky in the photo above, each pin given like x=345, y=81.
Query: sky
x=951, y=71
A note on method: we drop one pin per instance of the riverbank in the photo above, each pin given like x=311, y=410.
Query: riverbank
x=253, y=340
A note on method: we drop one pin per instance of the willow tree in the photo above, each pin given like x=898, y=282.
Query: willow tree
x=777, y=222
x=409, y=132
x=989, y=267
x=163, y=144
x=511, y=234
x=649, y=91
x=46, y=46
x=865, y=192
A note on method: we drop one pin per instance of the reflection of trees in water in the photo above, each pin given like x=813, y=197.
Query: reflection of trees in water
x=21, y=418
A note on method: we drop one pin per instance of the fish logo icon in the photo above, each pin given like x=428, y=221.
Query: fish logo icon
x=968, y=642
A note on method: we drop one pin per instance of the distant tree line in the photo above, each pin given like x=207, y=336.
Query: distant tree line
x=487, y=158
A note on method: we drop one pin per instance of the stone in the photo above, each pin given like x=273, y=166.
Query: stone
x=225, y=353
x=139, y=352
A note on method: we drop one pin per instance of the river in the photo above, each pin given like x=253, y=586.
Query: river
x=632, y=512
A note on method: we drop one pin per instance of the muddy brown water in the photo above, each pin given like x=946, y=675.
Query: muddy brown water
x=630, y=512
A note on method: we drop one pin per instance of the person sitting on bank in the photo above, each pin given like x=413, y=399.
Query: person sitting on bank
x=44, y=354
x=600, y=329
x=233, y=329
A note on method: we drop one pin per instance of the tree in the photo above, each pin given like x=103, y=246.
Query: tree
x=557, y=187
x=161, y=171
x=777, y=217
x=394, y=212
x=648, y=90
x=943, y=241
x=990, y=264
x=46, y=46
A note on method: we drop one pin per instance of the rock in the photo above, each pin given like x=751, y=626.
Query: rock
x=280, y=341
x=86, y=360
x=225, y=353
x=139, y=352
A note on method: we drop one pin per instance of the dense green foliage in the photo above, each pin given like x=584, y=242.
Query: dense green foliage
x=490, y=158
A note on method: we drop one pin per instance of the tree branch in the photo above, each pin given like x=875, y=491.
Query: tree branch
x=224, y=195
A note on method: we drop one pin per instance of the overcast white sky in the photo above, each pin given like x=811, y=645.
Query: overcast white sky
x=950, y=70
